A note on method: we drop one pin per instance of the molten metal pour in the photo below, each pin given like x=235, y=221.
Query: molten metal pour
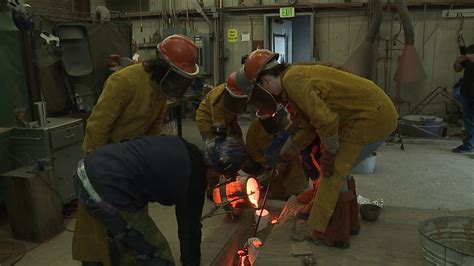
x=234, y=195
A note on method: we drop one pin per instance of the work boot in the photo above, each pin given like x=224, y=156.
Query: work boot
x=462, y=149
x=353, y=208
x=339, y=228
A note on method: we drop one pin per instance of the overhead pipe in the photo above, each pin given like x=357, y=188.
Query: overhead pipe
x=360, y=62
x=213, y=35
x=409, y=69
x=200, y=10
x=220, y=20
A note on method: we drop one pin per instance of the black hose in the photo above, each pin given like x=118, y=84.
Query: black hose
x=376, y=21
x=406, y=21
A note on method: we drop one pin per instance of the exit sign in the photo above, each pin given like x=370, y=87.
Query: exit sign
x=287, y=12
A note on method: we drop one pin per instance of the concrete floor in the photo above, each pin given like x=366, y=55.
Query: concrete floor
x=426, y=176
x=392, y=240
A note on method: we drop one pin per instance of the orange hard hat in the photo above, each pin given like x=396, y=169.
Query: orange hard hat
x=257, y=61
x=232, y=87
x=181, y=53
x=235, y=99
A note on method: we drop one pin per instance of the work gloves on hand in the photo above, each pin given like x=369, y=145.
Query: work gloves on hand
x=273, y=150
x=460, y=59
x=328, y=159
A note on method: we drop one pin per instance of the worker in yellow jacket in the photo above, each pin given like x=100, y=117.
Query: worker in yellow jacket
x=132, y=104
x=290, y=179
x=351, y=115
x=223, y=105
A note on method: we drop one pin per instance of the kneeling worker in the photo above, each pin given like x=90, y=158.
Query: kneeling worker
x=117, y=181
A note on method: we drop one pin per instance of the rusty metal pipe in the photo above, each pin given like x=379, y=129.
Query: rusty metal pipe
x=376, y=21
x=360, y=62
x=406, y=21
x=409, y=69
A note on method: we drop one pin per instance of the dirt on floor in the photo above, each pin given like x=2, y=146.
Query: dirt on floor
x=391, y=240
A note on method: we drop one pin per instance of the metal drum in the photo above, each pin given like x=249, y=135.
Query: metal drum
x=237, y=195
x=447, y=241
x=422, y=126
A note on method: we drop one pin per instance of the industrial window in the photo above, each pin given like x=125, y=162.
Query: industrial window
x=280, y=46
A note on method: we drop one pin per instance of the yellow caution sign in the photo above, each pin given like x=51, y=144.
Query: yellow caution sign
x=232, y=35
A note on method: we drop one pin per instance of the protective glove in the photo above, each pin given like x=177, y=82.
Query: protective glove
x=460, y=59
x=273, y=150
x=327, y=163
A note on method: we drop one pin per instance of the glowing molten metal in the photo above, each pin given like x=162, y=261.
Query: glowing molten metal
x=253, y=192
x=238, y=195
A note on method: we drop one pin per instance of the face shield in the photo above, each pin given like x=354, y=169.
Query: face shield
x=235, y=104
x=263, y=100
x=275, y=122
x=174, y=85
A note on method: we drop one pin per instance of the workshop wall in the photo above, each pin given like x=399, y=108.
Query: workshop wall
x=13, y=87
x=337, y=33
x=57, y=8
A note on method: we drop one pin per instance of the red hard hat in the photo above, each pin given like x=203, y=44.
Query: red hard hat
x=232, y=87
x=257, y=61
x=181, y=53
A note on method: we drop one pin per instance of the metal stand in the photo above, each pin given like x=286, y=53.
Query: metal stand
x=443, y=91
x=397, y=133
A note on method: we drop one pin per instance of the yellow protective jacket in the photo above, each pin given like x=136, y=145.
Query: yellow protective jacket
x=211, y=110
x=128, y=107
x=291, y=180
x=331, y=102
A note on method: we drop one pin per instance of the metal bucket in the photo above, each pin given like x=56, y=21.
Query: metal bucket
x=422, y=126
x=447, y=241
x=367, y=166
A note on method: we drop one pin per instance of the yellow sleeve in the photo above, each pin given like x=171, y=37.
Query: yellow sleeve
x=207, y=112
x=306, y=94
x=156, y=129
x=304, y=133
x=253, y=143
x=203, y=116
x=115, y=96
x=218, y=113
